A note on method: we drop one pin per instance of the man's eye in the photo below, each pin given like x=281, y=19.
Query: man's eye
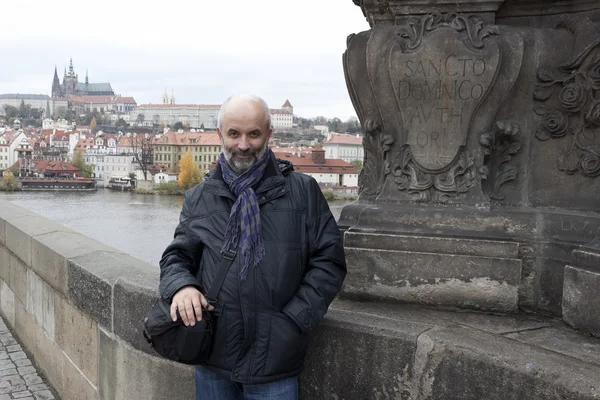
x=255, y=134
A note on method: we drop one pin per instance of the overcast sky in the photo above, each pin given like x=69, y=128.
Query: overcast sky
x=203, y=50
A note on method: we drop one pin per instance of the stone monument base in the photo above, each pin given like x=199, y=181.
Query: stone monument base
x=367, y=351
x=494, y=260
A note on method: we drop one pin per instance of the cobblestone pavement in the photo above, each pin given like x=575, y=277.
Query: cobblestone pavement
x=18, y=377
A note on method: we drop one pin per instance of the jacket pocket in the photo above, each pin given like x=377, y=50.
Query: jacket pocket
x=287, y=345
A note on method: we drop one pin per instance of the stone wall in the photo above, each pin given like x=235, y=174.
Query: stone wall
x=77, y=305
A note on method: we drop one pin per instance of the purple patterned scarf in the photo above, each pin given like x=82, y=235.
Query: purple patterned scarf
x=243, y=227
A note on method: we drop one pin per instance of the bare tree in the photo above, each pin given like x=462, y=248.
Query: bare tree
x=142, y=145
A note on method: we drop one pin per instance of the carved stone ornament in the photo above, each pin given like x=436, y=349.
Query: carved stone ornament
x=438, y=187
x=376, y=165
x=472, y=27
x=443, y=69
x=500, y=144
x=568, y=100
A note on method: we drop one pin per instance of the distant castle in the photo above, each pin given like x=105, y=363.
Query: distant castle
x=72, y=87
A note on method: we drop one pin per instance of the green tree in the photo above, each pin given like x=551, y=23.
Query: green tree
x=79, y=163
x=93, y=123
x=357, y=164
x=24, y=110
x=334, y=124
x=189, y=175
x=140, y=118
x=177, y=126
x=121, y=123
x=11, y=112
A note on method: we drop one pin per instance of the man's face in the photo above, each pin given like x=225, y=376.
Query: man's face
x=244, y=135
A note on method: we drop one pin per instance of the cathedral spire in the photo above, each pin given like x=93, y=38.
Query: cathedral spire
x=71, y=72
x=55, y=84
x=165, y=97
x=172, y=97
x=86, y=77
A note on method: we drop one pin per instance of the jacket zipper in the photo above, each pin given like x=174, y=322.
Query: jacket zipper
x=277, y=195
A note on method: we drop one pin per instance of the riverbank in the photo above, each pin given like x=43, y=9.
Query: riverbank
x=139, y=225
x=330, y=195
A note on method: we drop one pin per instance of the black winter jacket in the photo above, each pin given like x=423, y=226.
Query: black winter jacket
x=262, y=322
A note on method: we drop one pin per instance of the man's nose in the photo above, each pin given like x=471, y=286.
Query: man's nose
x=243, y=143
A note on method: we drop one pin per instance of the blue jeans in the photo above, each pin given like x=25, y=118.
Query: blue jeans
x=212, y=386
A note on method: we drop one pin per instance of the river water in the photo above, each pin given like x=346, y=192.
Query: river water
x=140, y=225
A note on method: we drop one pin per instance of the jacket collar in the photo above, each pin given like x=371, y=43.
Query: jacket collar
x=272, y=177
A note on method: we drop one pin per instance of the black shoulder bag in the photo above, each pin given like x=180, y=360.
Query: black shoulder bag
x=174, y=340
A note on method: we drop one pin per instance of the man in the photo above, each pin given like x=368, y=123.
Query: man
x=289, y=262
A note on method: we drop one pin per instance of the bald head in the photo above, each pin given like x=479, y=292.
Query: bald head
x=245, y=106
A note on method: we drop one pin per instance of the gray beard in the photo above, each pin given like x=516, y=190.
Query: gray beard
x=241, y=166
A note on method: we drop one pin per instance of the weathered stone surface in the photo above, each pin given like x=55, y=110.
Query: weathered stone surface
x=132, y=300
x=93, y=276
x=7, y=303
x=75, y=384
x=49, y=358
x=77, y=336
x=587, y=258
x=432, y=244
x=2, y=232
x=89, y=289
x=551, y=285
x=367, y=340
x=17, y=278
x=442, y=279
x=460, y=358
x=4, y=263
x=20, y=231
x=126, y=373
x=50, y=252
x=455, y=356
x=40, y=302
x=24, y=326
x=563, y=340
x=581, y=299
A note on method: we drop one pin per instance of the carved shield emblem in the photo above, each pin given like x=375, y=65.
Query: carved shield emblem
x=438, y=87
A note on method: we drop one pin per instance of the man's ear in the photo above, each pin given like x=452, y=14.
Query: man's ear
x=219, y=133
x=269, y=134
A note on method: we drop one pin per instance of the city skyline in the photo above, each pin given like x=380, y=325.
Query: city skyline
x=280, y=50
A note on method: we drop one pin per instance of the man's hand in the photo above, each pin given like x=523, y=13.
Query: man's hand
x=189, y=301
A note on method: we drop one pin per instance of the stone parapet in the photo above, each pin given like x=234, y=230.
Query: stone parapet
x=78, y=314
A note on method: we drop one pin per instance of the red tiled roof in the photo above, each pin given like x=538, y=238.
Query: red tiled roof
x=56, y=132
x=307, y=165
x=287, y=104
x=50, y=166
x=212, y=106
x=83, y=144
x=279, y=111
x=101, y=99
x=344, y=139
x=183, y=139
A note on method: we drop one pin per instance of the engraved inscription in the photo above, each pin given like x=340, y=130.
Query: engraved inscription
x=438, y=95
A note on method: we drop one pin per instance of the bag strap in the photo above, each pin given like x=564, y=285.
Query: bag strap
x=226, y=261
